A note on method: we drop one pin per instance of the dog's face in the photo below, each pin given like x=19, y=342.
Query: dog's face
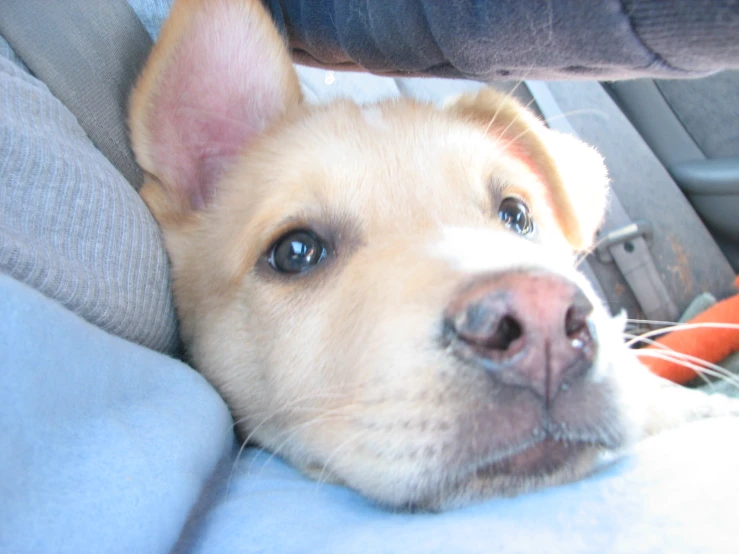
x=384, y=295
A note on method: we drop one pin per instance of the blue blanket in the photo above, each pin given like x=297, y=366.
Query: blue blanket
x=109, y=447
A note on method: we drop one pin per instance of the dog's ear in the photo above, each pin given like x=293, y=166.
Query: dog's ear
x=218, y=76
x=573, y=171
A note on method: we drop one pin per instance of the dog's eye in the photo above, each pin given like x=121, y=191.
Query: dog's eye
x=515, y=216
x=297, y=252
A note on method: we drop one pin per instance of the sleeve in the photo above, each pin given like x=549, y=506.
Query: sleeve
x=514, y=39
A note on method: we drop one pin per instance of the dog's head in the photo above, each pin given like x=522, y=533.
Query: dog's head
x=384, y=295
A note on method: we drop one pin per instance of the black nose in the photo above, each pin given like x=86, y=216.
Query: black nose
x=526, y=329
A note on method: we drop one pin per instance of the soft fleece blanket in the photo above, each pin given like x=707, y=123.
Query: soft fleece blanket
x=109, y=447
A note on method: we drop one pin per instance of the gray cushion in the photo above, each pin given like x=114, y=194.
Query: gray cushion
x=709, y=110
x=70, y=225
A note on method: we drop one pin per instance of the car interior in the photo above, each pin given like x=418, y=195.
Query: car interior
x=691, y=126
x=672, y=150
x=117, y=445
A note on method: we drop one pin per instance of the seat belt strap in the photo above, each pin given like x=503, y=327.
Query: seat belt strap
x=625, y=241
x=89, y=55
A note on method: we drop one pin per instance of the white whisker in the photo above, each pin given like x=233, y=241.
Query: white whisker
x=582, y=256
x=510, y=124
x=508, y=95
x=287, y=410
x=702, y=368
x=326, y=463
x=327, y=415
x=583, y=111
x=684, y=327
x=711, y=369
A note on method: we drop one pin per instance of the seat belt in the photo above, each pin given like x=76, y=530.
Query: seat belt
x=89, y=54
x=623, y=241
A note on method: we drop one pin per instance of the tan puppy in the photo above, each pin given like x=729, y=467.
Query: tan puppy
x=385, y=295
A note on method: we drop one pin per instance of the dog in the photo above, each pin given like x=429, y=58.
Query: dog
x=386, y=295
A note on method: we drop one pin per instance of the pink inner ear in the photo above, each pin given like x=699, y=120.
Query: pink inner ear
x=221, y=87
x=207, y=144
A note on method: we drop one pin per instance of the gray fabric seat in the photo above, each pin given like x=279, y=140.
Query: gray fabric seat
x=691, y=126
x=70, y=225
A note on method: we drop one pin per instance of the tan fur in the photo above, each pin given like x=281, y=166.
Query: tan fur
x=340, y=370
x=533, y=142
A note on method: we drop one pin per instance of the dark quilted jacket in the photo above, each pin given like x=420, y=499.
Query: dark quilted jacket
x=505, y=39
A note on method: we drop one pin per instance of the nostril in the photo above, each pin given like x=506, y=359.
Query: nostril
x=505, y=334
x=525, y=330
x=487, y=324
x=576, y=317
x=491, y=331
x=573, y=323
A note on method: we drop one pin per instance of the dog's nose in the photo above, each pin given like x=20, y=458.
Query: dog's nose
x=526, y=329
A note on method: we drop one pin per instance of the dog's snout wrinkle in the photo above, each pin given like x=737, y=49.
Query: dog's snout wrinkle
x=526, y=330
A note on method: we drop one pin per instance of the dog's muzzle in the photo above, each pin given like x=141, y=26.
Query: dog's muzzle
x=526, y=329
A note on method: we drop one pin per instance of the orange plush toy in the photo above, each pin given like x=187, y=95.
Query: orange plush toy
x=709, y=343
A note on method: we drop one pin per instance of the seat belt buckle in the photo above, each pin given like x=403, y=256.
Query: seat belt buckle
x=622, y=235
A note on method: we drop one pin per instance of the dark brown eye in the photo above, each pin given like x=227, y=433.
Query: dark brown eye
x=515, y=216
x=297, y=252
